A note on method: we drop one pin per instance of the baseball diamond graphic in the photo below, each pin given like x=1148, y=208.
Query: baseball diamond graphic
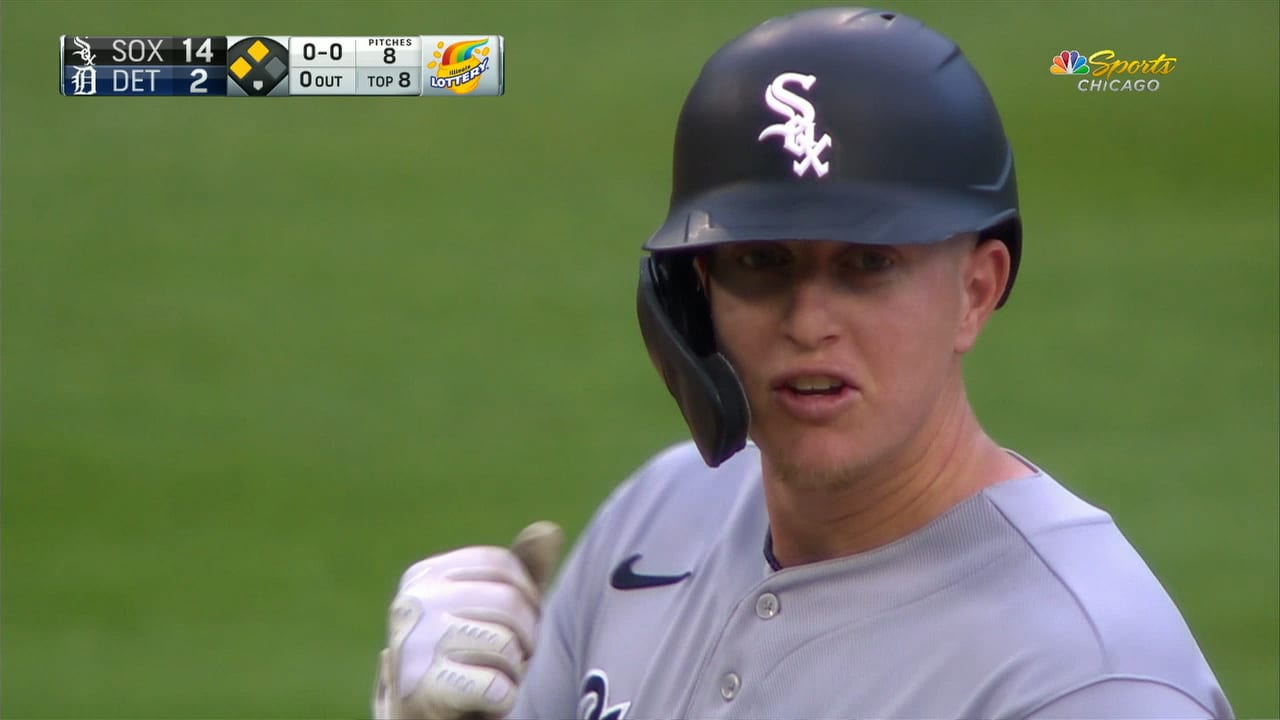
x=257, y=65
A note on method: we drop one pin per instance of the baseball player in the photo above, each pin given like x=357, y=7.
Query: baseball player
x=841, y=538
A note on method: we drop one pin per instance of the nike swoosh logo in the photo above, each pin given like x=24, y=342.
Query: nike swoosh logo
x=625, y=578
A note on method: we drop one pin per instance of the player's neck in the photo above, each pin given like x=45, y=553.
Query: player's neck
x=951, y=460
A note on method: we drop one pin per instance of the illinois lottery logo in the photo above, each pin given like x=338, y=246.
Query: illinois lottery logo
x=1104, y=72
x=458, y=67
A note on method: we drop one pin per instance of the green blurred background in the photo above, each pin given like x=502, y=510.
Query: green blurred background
x=260, y=355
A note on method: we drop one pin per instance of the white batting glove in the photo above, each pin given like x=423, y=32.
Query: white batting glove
x=461, y=630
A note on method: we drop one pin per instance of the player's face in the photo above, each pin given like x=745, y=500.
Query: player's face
x=844, y=350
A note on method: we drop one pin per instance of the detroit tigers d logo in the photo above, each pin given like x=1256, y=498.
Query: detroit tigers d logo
x=798, y=133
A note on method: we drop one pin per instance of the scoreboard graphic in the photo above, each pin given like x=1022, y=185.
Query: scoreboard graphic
x=282, y=65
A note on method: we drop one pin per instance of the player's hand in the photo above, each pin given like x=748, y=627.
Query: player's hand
x=462, y=629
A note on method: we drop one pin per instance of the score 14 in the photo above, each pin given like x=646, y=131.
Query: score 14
x=202, y=55
x=199, y=66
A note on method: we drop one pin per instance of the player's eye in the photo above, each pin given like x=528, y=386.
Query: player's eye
x=868, y=260
x=762, y=256
x=753, y=269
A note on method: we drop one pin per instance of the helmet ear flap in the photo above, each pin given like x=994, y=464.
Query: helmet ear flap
x=675, y=321
x=684, y=299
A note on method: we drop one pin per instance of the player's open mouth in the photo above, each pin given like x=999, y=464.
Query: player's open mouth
x=814, y=396
x=815, y=385
x=812, y=382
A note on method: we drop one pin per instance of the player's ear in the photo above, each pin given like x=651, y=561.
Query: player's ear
x=701, y=267
x=984, y=272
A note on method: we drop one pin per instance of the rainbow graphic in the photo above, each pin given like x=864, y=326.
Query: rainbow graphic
x=459, y=66
x=1069, y=63
x=461, y=51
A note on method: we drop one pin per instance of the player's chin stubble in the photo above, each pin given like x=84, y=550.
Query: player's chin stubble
x=806, y=475
x=832, y=481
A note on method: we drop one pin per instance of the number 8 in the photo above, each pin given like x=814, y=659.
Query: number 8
x=389, y=55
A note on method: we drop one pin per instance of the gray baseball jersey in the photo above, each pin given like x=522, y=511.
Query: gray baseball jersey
x=1021, y=601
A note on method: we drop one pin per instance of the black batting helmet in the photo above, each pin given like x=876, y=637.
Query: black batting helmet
x=840, y=124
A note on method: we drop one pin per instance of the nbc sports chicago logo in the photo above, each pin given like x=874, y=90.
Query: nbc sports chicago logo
x=1104, y=72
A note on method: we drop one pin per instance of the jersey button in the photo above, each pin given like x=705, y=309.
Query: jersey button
x=729, y=685
x=767, y=605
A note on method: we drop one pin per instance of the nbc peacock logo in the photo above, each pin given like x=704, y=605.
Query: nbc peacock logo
x=1069, y=62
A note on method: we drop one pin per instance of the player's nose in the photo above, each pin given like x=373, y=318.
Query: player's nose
x=810, y=320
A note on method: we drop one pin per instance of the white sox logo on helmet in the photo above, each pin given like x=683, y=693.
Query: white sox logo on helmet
x=797, y=132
